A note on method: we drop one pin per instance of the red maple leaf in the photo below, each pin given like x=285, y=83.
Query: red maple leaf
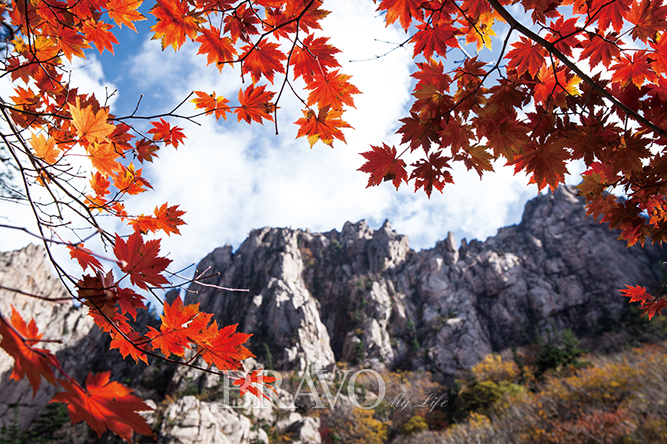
x=145, y=150
x=262, y=59
x=218, y=50
x=255, y=104
x=162, y=130
x=382, y=164
x=104, y=404
x=242, y=23
x=653, y=307
x=564, y=33
x=331, y=89
x=402, y=10
x=141, y=261
x=613, y=13
x=175, y=22
x=601, y=49
x=527, y=55
x=635, y=69
x=30, y=361
x=636, y=294
x=129, y=301
x=254, y=382
x=545, y=160
x=436, y=39
x=429, y=173
x=84, y=256
x=649, y=17
x=223, y=348
x=316, y=56
x=650, y=305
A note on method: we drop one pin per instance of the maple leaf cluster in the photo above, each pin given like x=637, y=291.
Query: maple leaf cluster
x=246, y=39
x=52, y=126
x=588, y=81
x=102, y=403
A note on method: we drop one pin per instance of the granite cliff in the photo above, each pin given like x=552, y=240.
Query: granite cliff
x=359, y=296
x=365, y=297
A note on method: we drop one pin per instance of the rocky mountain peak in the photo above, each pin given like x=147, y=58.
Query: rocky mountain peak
x=362, y=295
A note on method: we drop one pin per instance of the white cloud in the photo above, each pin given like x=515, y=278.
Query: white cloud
x=88, y=75
x=232, y=178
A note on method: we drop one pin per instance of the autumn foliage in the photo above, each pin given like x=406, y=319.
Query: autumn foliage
x=587, y=82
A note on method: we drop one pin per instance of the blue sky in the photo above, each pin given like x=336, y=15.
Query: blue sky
x=231, y=178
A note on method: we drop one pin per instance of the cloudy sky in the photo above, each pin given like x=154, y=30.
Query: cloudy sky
x=231, y=178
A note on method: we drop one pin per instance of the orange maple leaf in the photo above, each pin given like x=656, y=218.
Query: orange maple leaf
x=211, y=104
x=175, y=22
x=124, y=12
x=130, y=181
x=126, y=347
x=316, y=56
x=402, y=10
x=103, y=157
x=248, y=384
x=104, y=404
x=179, y=323
x=324, y=126
x=100, y=184
x=97, y=32
x=45, y=148
x=70, y=42
x=168, y=218
x=90, y=125
x=141, y=261
x=31, y=361
x=218, y=50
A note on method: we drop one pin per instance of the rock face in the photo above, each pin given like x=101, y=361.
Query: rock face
x=363, y=296
x=358, y=295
